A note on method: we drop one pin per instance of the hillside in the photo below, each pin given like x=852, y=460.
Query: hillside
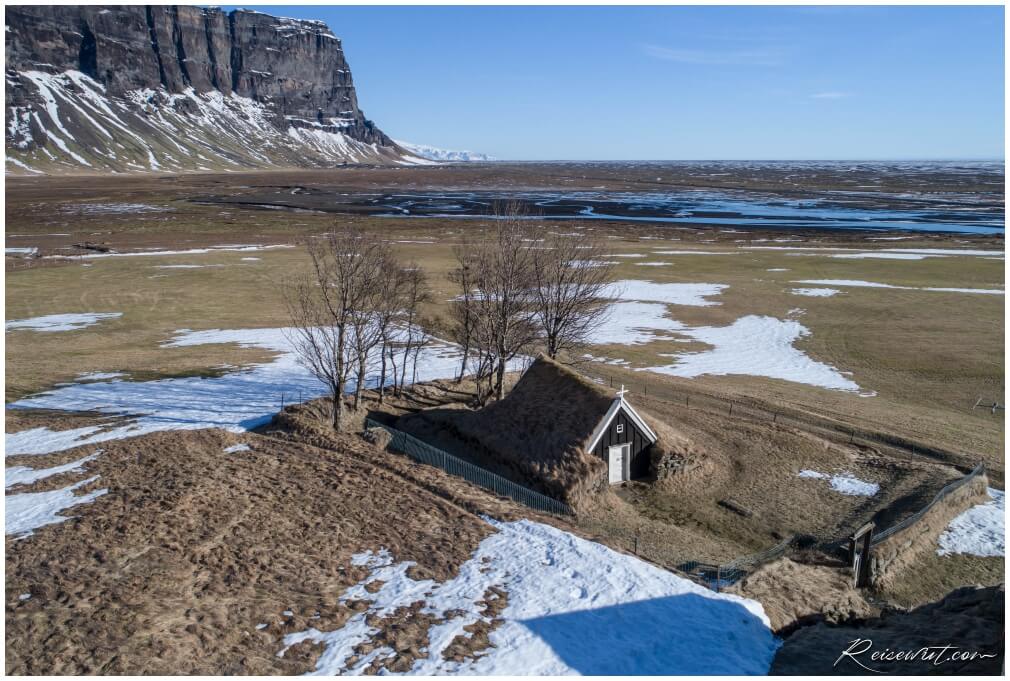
x=177, y=88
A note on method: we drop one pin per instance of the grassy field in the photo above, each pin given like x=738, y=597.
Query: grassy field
x=927, y=355
x=921, y=359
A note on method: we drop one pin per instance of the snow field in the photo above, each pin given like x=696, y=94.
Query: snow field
x=573, y=607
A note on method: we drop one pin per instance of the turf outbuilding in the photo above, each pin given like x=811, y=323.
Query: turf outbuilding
x=555, y=431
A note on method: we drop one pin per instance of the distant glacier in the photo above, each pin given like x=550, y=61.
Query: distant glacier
x=436, y=154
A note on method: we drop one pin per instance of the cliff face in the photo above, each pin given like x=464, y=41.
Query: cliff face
x=179, y=88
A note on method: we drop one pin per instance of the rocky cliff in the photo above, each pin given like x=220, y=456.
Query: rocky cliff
x=174, y=88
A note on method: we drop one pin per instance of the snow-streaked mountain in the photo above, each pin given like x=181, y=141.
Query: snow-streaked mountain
x=446, y=155
x=177, y=88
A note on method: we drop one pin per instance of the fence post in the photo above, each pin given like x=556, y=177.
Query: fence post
x=730, y=408
x=718, y=578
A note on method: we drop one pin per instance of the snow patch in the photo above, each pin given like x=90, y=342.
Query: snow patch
x=236, y=401
x=570, y=603
x=634, y=323
x=29, y=511
x=844, y=483
x=979, y=531
x=873, y=284
x=670, y=294
x=61, y=322
x=23, y=475
x=815, y=292
x=756, y=346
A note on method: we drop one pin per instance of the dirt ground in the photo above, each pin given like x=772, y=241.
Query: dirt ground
x=172, y=570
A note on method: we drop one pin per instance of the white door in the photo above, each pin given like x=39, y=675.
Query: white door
x=619, y=455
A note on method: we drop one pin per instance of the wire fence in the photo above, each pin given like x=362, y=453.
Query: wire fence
x=714, y=576
x=425, y=453
x=917, y=516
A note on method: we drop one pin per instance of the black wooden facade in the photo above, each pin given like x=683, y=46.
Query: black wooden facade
x=622, y=430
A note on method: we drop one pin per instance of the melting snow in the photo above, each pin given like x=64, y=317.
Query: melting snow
x=574, y=607
x=236, y=448
x=61, y=322
x=844, y=483
x=31, y=510
x=815, y=292
x=979, y=531
x=593, y=263
x=882, y=256
x=99, y=376
x=22, y=475
x=873, y=284
x=190, y=251
x=686, y=252
x=634, y=323
x=756, y=346
x=236, y=401
x=671, y=294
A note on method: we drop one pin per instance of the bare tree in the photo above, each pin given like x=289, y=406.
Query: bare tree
x=415, y=293
x=393, y=287
x=570, y=279
x=501, y=305
x=326, y=304
x=461, y=310
x=373, y=315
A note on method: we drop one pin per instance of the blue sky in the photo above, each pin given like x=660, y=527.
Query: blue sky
x=680, y=82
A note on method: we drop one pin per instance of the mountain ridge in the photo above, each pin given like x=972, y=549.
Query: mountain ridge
x=154, y=88
x=437, y=154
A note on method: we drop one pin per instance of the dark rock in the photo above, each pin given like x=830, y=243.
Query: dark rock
x=145, y=56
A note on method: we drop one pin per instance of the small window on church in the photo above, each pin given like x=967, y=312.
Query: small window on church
x=620, y=427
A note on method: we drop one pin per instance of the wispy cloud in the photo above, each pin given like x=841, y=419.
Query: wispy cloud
x=762, y=57
x=830, y=94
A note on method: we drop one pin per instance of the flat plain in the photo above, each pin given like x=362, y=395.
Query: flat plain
x=868, y=354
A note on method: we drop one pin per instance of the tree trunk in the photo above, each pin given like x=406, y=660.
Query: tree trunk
x=392, y=361
x=466, y=356
x=338, y=411
x=382, y=375
x=500, y=381
x=360, y=384
x=406, y=359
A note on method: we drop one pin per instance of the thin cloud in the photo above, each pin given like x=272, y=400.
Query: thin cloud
x=831, y=94
x=715, y=57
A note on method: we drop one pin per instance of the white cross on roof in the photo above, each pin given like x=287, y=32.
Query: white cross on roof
x=621, y=392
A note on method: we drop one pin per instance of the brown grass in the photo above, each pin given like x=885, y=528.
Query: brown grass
x=191, y=548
